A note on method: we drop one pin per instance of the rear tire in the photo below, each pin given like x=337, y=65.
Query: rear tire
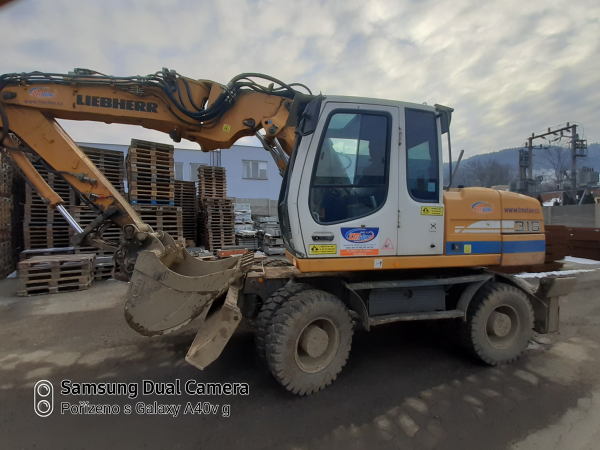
x=499, y=324
x=309, y=341
x=268, y=310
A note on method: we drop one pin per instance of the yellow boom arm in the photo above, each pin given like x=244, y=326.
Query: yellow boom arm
x=212, y=115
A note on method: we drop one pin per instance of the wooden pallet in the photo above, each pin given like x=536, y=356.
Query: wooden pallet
x=54, y=274
x=30, y=253
x=148, y=145
x=103, y=267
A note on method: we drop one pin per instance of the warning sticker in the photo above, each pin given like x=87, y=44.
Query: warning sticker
x=432, y=210
x=388, y=245
x=227, y=128
x=329, y=249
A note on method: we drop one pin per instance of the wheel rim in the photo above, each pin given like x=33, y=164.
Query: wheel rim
x=502, y=327
x=317, y=344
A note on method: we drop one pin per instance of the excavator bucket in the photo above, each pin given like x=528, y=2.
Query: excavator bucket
x=169, y=289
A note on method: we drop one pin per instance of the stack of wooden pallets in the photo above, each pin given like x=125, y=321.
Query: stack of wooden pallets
x=163, y=218
x=54, y=274
x=216, y=217
x=151, y=186
x=150, y=173
x=44, y=227
x=110, y=163
x=212, y=182
x=216, y=220
x=10, y=220
x=185, y=197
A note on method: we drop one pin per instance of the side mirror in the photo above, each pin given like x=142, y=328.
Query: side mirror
x=445, y=115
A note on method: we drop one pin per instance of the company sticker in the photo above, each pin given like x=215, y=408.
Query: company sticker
x=482, y=207
x=359, y=242
x=42, y=92
x=432, y=210
x=328, y=249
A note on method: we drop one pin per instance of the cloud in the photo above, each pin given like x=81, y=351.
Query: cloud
x=508, y=68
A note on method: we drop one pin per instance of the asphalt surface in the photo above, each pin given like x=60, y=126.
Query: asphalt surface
x=405, y=386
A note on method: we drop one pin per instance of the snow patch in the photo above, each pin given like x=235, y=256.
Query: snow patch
x=580, y=260
x=553, y=274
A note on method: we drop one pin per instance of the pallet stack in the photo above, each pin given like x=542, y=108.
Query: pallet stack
x=150, y=173
x=44, y=227
x=11, y=228
x=162, y=218
x=55, y=274
x=151, y=185
x=185, y=198
x=110, y=163
x=216, y=217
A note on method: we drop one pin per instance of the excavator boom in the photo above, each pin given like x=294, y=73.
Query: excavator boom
x=214, y=116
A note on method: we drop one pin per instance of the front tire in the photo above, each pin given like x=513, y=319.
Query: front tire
x=309, y=341
x=268, y=310
x=499, y=324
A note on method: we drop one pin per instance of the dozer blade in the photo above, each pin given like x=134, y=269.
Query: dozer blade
x=169, y=289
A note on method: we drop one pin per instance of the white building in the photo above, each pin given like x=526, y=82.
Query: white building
x=251, y=172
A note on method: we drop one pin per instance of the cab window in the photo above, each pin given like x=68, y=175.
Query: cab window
x=350, y=175
x=422, y=159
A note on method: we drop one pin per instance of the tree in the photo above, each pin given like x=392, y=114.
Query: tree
x=558, y=159
x=486, y=174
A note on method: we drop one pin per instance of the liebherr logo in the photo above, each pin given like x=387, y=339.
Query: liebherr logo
x=115, y=103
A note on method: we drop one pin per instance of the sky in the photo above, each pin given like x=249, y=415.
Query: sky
x=509, y=68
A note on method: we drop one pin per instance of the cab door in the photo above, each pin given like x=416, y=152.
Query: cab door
x=420, y=200
x=348, y=196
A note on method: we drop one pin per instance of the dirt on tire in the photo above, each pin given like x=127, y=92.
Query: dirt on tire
x=473, y=332
x=268, y=310
x=282, y=337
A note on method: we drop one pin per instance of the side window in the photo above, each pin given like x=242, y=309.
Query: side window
x=422, y=156
x=350, y=177
x=179, y=171
x=254, y=170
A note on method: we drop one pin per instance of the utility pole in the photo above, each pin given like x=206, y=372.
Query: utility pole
x=578, y=148
x=574, y=161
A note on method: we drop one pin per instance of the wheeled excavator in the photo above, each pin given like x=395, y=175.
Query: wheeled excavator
x=371, y=233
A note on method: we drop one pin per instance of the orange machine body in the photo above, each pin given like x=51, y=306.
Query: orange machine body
x=485, y=221
x=482, y=227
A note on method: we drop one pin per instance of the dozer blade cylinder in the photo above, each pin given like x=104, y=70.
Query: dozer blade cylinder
x=169, y=290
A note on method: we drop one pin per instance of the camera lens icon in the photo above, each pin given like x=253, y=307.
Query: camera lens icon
x=43, y=398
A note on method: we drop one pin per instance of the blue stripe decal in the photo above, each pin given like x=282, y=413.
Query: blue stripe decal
x=477, y=248
x=524, y=246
